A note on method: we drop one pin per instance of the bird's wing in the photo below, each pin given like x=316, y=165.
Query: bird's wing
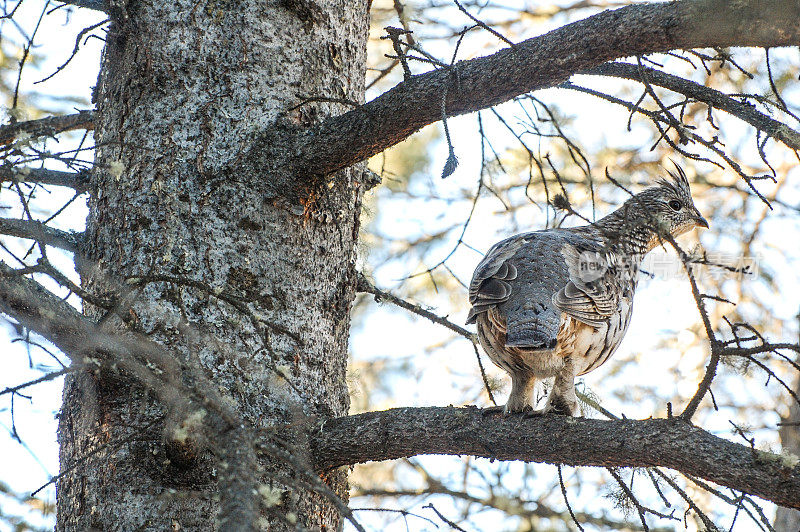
x=598, y=281
x=491, y=282
x=518, y=278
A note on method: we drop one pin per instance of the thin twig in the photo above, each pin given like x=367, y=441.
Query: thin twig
x=566, y=499
x=365, y=286
x=44, y=378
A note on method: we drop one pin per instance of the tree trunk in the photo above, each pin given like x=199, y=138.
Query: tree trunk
x=253, y=287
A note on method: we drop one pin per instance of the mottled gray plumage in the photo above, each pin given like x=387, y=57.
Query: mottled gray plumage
x=556, y=303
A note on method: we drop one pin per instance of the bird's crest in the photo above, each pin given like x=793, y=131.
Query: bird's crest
x=678, y=182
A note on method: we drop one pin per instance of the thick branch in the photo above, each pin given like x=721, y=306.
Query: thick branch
x=713, y=97
x=671, y=443
x=47, y=127
x=65, y=240
x=75, y=180
x=534, y=64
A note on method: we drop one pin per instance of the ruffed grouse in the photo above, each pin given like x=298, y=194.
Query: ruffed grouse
x=556, y=303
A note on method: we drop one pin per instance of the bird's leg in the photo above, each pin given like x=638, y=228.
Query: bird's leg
x=521, y=396
x=562, y=399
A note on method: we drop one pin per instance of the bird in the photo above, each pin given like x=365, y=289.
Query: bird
x=557, y=302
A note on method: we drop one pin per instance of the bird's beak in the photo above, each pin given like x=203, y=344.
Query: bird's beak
x=699, y=220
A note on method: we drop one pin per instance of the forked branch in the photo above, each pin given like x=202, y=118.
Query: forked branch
x=712, y=97
x=536, y=63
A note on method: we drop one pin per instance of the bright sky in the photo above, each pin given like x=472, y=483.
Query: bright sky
x=27, y=466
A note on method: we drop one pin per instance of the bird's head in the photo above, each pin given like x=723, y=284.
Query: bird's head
x=669, y=204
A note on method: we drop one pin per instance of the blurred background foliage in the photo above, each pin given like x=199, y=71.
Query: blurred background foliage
x=514, y=160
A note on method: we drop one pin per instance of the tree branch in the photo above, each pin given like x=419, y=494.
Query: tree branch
x=410, y=431
x=380, y=295
x=79, y=181
x=47, y=127
x=40, y=232
x=510, y=506
x=713, y=97
x=671, y=443
x=156, y=368
x=37, y=309
x=97, y=5
x=533, y=64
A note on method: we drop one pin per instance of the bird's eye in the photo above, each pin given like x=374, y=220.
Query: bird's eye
x=675, y=205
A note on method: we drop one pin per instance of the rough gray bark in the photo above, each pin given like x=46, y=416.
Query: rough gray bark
x=672, y=443
x=183, y=88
